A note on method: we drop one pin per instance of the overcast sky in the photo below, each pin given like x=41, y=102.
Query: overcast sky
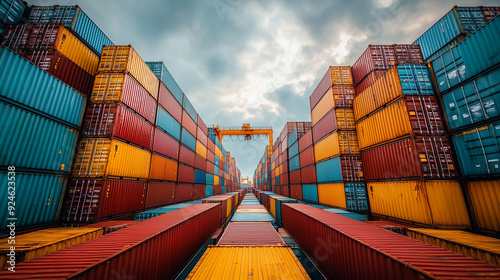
x=257, y=61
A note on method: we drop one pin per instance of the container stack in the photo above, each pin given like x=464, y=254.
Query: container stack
x=468, y=81
x=11, y=12
x=399, y=123
x=453, y=28
x=262, y=175
x=114, y=155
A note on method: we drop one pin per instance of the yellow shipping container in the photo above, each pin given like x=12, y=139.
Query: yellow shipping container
x=229, y=206
x=341, y=75
x=163, y=168
x=125, y=58
x=272, y=205
x=436, y=203
x=345, y=118
x=200, y=149
x=385, y=125
x=273, y=165
x=248, y=262
x=342, y=142
x=474, y=245
x=216, y=180
x=42, y=242
x=103, y=157
x=484, y=197
x=332, y=194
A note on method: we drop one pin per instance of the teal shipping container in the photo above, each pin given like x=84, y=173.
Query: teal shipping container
x=310, y=193
x=188, y=140
x=415, y=79
x=167, y=123
x=294, y=163
x=11, y=11
x=292, y=138
x=199, y=177
x=162, y=73
x=25, y=85
x=252, y=217
x=355, y=195
x=329, y=171
x=347, y=214
x=30, y=141
x=210, y=179
x=477, y=150
x=209, y=190
x=279, y=205
x=146, y=215
x=75, y=19
x=38, y=199
x=474, y=102
x=293, y=150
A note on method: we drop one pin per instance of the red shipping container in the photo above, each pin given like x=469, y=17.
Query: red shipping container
x=352, y=168
x=324, y=84
x=210, y=167
x=186, y=156
x=307, y=157
x=183, y=192
x=296, y=191
x=305, y=141
x=159, y=194
x=88, y=200
x=286, y=190
x=169, y=103
x=198, y=192
x=188, y=123
x=383, y=57
x=294, y=177
x=186, y=174
x=369, y=80
x=277, y=189
x=165, y=145
x=116, y=120
x=308, y=175
x=343, y=96
x=62, y=68
x=418, y=157
x=250, y=234
x=380, y=253
x=210, y=157
x=202, y=125
x=200, y=163
x=223, y=201
x=217, y=189
x=157, y=248
x=201, y=136
x=325, y=126
x=210, y=145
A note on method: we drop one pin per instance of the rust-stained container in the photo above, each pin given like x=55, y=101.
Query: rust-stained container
x=62, y=68
x=116, y=120
x=305, y=141
x=306, y=157
x=308, y=175
x=165, y=145
x=334, y=120
x=250, y=234
x=186, y=156
x=336, y=75
x=295, y=177
x=51, y=37
x=186, y=174
x=416, y=115
x=342, y=142
x=169, y=103
x=438, y=203
x=163, y=168
x=189, y=124
x=121, y=59
x=129, y=251
x=428, y=157
x=484, y=197
x=183, y=192
x=113, y=87
x=382, y=254
x=103, y=157
x=89, y=200
x=159, y=194
x=296, y=191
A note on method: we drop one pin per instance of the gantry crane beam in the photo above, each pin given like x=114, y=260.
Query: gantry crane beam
x=247, y=131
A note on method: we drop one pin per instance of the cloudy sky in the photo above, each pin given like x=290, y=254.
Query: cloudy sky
x=257, y=61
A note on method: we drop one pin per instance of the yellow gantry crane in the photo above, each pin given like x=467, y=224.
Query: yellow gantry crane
x=247, y=131
x=243, y=180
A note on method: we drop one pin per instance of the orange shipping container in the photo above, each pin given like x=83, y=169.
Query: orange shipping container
x=323, y=107
x=125, y=59
x=163, y=169
x=337, y=143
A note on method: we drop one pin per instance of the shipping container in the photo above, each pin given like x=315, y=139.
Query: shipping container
x=368, y=81
x=159, y=194
x=45, y=241
x=183, y=192
x=200, y=163
x=102, y=157
x=188, y=140
x=201, y=149
x=336, y=75
x=427, y=157
x=51, y=37
x=31, y=141
x=116, y=120
x=186, y=174
x=332, y=194
x=186, y=156
x=469, y=58
x=11, y=11
x=477, y=150
x=296, y=191
x=75, y=19
x=343, y=168
x=469, y=244
x=310, y=193
x=474, y=102
x=308, y=175
x=209, y=190
x=338, y=143
x=121, y=59
x=191, y=111
x=190, y=125
x=381, y=253
x=305, y=141
x=168, y=124
x=198, y=192
x=416, y=115
x=146, y=215
x=62, y=68
x=438, y=204
x=356, y=197
x=252, y=217
x=190, y=227
x=114, y=87
x=397, y=82
x=163, y=168
x=201, y=136
x=168, y=102
x=293, y=150
x=307, y=157
x=19, y=79
x=383, y=57
x=165, y=145
x=483, y=197
x=250, y=234
x=340, y=119
x=42, y=192
x=199, y=177
x=90, y=200
x=164, y=75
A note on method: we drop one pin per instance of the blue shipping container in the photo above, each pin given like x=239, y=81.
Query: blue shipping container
x=294, y=163
x=167, y=123
x=199, y=176
x=355, y=195
x=38, y=199
x=209, y=190
x=292, y=138
x=252, y=217
x=310, y=193
x=473, y=102
x=75, y=19
x=186, y=104
x=25, y=85
x=30, y=141
x=279, y=205
x=164, y=75
x=293, y=150
x=210, y=179
x=329, y=171
x=188, y=140
x=158, y=211
x=11, y=11
x=415, y=79
x=477, y=150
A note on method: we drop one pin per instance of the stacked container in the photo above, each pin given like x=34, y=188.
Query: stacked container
x=11, y=12
x=467, y=78
x=114, y=155
x=339, y=172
